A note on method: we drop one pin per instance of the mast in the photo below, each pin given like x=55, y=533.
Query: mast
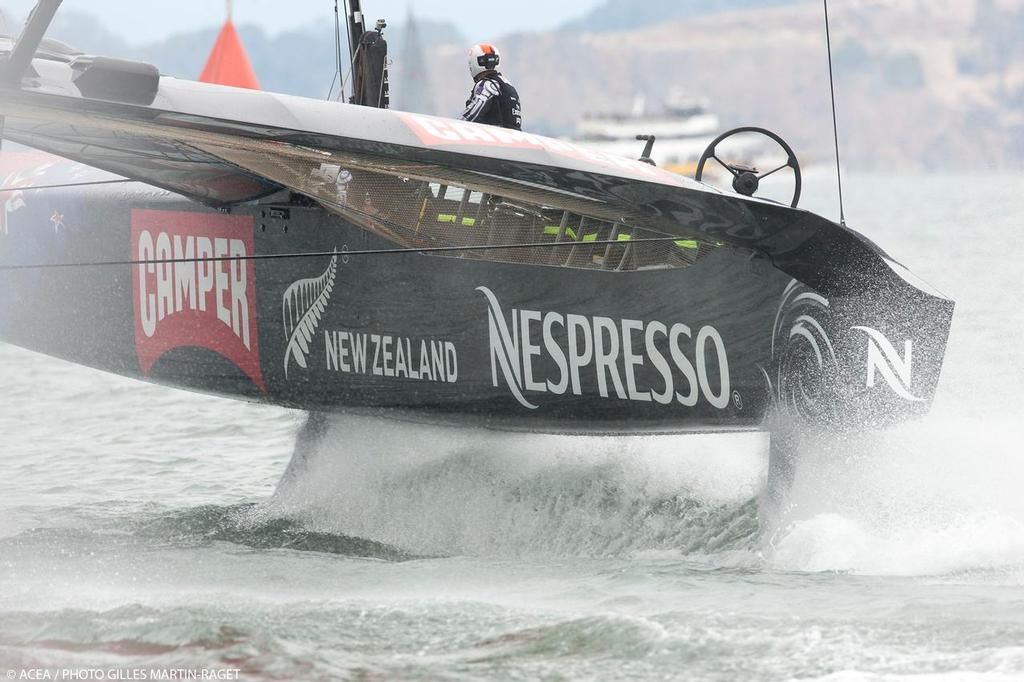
x=356, y=27
x=369, y=53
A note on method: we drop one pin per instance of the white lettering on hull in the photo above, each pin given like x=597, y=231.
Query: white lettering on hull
x=607, y=353
x=884, y=359
x=387, y=356
x=167, y=287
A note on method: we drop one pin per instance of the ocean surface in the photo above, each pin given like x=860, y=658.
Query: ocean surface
x=143, y=528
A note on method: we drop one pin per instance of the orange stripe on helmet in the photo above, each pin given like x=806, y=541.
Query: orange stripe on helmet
x=488, y=49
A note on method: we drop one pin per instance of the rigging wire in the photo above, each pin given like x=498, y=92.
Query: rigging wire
x=835, y=125
x=337, y=57
x=66, y=184
x=324, y=254
x=330, y=92
x=353, y=50
x=352, y=78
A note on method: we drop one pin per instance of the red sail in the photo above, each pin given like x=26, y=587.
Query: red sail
x=228, y=63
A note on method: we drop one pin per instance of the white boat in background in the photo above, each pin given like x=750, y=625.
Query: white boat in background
x=683, y=125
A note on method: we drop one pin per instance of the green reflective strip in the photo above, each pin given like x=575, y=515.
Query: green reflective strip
x=687, y=243
x=555, y=229
x=590, y=237
x=466, y=222
x=624, y=237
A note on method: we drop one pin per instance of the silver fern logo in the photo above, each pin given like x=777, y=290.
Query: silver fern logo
x=302, y=309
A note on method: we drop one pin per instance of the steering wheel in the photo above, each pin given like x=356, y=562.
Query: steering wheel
x=746, y=179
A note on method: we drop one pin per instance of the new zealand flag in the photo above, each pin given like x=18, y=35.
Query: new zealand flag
x=41, y=207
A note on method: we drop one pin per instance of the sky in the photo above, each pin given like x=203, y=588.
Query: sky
x=145, y=21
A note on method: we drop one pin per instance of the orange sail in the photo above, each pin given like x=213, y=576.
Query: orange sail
x=228, y=63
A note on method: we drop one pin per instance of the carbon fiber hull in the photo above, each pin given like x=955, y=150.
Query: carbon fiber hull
x=444, y=337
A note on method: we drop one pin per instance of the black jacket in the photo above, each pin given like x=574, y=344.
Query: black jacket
x=494, y=101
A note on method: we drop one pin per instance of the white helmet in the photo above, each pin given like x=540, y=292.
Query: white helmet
x=483, y=57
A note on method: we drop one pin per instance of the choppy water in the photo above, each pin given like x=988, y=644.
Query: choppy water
x=139, y=527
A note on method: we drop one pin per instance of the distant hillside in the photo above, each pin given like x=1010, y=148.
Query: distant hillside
x=620, y=15
x=936, y=84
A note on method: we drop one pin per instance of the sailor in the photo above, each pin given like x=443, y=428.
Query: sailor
x=494, y=100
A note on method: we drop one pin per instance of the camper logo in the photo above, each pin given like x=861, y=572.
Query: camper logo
x=199, y=303
x=884, y=359
x=624, y=359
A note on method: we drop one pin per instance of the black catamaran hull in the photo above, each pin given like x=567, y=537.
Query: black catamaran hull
x=573, y=290
x=712, y=346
